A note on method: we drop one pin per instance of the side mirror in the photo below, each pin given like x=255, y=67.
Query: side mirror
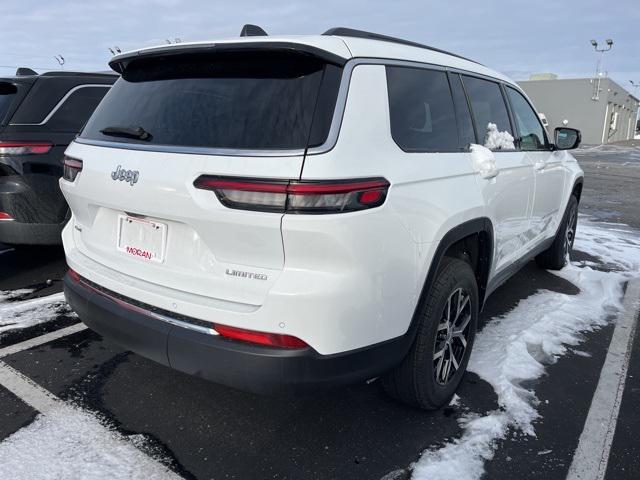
x=566, y=138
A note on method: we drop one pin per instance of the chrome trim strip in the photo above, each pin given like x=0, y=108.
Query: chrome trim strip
x=62, y=100
x=230, y=152
x=149, y=313
x=178, y=323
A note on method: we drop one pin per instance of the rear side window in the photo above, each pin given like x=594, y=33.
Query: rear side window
x=255, y=101
x=421, y=110
x=529, y=127
x=487, y=105
x=7, y=94
x=76, y=109
x=463, y=115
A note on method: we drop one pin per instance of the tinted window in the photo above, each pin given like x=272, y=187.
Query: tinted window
x=487, y=105
x=530, y=130
x=465, y=124
x=259, y=100
x=421, y=110
x=7, y=94
x=76, y=109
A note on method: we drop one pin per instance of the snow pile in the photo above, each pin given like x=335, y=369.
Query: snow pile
x=513, y=349
x=23, y=314
x=70, y=443
x=495, y=140
x=8, y=295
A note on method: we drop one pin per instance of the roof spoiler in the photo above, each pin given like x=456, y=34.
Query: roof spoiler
x=120, y=63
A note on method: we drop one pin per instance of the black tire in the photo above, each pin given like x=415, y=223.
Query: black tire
x=414, y=381
x=555, y=257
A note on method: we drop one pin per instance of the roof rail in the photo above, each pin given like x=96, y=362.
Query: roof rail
x=351, y=32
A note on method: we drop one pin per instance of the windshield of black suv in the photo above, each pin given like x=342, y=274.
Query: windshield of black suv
x=259, y=100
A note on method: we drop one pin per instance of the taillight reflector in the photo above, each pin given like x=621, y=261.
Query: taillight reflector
x=72, y=167
x=260, y=338
x=5, y=216
x=74, y=275
x=24, y=148
x=293, y=196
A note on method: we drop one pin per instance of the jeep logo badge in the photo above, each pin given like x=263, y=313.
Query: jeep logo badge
x=129, y=176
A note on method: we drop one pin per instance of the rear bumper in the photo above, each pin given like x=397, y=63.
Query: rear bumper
x=38, y=209
x=17, y=233
x=236, y=364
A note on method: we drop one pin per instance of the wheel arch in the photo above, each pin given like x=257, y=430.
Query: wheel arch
x=577, y=187
x=453, y=243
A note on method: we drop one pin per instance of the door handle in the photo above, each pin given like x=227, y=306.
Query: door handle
x=540, y=165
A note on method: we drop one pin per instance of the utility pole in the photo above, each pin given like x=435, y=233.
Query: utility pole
x=596, y=84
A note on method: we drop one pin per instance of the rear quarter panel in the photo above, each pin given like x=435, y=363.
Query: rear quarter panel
x=381, y=256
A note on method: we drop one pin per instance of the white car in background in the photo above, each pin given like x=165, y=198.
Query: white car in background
x=290, y=213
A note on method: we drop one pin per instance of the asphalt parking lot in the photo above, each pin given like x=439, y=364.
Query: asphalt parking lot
x=197, y=429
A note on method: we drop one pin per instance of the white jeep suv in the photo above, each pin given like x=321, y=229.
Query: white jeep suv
x=288, y=213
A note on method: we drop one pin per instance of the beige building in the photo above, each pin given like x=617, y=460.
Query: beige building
x=600, y=108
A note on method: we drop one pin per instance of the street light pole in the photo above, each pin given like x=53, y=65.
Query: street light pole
x=596, y=91
x=635, y=86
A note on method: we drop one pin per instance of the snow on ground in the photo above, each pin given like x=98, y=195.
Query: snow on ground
x=8, y=295
x=70, y=443
x=633, y=153
x=15, y=314
x=513, y=349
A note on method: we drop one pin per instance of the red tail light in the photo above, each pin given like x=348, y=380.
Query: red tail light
x=293, y=196
x=24, y=148
x=261, y=338
x=74, y=275
x=5, y=216
x=72, y=167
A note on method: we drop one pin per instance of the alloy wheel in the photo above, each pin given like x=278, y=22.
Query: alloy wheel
x=570, y=235
x=452, y=336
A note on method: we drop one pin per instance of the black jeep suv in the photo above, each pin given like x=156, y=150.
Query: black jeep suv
x=39, y=116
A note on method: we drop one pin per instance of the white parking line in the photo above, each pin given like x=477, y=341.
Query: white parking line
x=592, y=455
x=6, y=250
x=47, y=337
x=27, y=390
x=85, y=443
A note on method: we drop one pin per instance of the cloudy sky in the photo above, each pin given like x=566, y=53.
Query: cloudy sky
x=514, y=36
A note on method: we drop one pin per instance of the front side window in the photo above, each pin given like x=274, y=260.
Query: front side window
x=529, y=127
x=257, y=100
x=489, y=112
x=421, y=110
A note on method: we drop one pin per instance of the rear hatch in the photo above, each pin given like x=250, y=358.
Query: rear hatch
x=169, y=120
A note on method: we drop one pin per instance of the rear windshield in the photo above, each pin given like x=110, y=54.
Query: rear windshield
x=257, y=101
x=7, y=94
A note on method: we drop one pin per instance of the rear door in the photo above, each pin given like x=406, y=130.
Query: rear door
x=509, y=194
x=240, y=115
x=548, y=169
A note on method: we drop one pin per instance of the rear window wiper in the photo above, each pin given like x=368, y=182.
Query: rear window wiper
x=130, y=132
